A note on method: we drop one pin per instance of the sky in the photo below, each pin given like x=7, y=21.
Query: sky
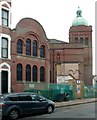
x=55, y=16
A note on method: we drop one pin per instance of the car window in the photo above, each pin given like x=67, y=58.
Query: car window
x=13, y=98
x=34, y=97
x=24, y=98
x=41, y=97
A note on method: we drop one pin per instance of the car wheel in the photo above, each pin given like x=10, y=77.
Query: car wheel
x=50, y=109
x=13, y=114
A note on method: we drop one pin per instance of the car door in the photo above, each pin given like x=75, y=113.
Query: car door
x=37, y=103
x=24, y=102
x=42, y=102
x=29, y=103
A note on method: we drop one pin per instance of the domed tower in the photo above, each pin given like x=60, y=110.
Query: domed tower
x=5, y=46
x=79, y=20
x=81, y=33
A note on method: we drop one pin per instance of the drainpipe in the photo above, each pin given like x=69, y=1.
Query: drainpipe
x=53, y=64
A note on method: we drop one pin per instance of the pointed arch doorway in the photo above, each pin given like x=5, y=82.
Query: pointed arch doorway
x=5, y=78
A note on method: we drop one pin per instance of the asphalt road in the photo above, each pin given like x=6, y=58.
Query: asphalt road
x=78, y=111
x=87, y=111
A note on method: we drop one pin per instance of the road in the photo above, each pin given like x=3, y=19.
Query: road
x=78, y=111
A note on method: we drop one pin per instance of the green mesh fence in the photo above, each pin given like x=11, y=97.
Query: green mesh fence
x=52, y=91
x=90, y=91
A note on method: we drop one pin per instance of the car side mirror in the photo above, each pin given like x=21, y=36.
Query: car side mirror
x=40, y=99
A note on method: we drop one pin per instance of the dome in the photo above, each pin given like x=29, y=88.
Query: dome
x=79, y=20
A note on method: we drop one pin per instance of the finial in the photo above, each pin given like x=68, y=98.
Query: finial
x=79, y=12
x=78, y=7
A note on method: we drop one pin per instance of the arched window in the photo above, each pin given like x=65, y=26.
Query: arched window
x=19, y=72
x=28, y=73
x=76, y=40
x=58, y=56
x=34, y=73
x=81, y=40
x=34, y=48
x=28, y=47
x=42, y=74
x=19, y=46
x=86, y=41
x=42, y=51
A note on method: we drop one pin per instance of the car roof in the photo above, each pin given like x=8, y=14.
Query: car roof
x=18, y=93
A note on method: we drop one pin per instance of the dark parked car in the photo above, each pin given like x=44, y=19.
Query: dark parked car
x=14, y=105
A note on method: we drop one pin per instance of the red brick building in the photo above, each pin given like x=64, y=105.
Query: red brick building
x=30, y=53
x=78, y=51
x=28, y=56
x=5, y=46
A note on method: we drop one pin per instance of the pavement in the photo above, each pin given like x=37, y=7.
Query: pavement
x=75, y=102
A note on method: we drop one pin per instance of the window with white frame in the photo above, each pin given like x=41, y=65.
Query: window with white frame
x=4, y=47
x=5, y=16
x=5, y=13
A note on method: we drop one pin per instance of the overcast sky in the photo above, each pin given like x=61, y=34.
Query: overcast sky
x=55, y=16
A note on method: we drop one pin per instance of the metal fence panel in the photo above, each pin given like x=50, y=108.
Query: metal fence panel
x=51, y=91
